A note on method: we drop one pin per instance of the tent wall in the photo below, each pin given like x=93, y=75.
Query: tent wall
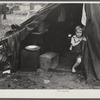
x=92, y=50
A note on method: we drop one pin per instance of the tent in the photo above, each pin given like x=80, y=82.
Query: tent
x=61, y=20
x=52, y=13
x=92, y=54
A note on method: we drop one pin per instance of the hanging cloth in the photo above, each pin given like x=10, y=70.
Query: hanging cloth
x=62, y=14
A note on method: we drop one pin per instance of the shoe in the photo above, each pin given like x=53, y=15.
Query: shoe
x=73, y=70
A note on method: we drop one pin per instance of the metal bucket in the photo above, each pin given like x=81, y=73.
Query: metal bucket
x=30, y=58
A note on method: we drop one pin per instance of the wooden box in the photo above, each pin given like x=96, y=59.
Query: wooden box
x=49, y=60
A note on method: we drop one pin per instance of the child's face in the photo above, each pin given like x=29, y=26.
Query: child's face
x=78, y=34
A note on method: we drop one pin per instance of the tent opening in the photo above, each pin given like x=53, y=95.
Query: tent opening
x=53, y=33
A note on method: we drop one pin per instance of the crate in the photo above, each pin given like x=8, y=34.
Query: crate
x=49, y=60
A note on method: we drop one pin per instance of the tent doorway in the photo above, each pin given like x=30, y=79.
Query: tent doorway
x=60, y=22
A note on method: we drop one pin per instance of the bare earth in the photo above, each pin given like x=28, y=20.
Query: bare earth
x=45, y=80
x=39, y=79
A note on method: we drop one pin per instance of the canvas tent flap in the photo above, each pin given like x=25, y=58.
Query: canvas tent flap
x=92, y=51
x=35, y=20
x=40, y=14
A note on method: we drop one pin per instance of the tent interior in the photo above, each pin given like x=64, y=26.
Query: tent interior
x=53, y=33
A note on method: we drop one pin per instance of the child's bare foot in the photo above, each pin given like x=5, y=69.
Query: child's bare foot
x=73, y=70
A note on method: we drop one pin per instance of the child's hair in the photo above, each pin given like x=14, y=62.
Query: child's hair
x=78, y=28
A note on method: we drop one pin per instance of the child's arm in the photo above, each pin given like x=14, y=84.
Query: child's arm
x=74, y=43
x=71, y=44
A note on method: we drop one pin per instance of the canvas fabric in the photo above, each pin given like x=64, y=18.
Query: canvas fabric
x=92, y=50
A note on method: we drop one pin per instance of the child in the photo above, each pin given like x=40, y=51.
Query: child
x=76, y=46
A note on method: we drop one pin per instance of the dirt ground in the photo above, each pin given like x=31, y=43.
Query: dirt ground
x=44, y=80
x=40, y=79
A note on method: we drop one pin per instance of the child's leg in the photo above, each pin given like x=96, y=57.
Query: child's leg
x=78, y=61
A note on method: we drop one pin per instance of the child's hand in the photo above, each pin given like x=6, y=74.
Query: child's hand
x=84, y=39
